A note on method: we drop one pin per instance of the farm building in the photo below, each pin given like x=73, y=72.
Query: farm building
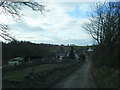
x=90, y=50
x=83, y=51
x=15, y=61
x=60, y=55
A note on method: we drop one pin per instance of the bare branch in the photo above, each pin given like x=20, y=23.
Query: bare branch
x=13, y=7
x=105, y=24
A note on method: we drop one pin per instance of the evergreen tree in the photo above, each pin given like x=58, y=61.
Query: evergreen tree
x=72, y=54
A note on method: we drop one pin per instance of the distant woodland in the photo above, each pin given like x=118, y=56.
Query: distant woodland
x=26, y=48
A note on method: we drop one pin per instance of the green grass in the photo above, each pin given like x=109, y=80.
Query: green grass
x=47, y=74
x=20, y=74
x=17, y=75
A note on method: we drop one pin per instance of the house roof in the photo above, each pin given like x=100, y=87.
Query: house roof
x=17, y=59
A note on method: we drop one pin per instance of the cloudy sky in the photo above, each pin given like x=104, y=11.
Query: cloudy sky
x=62, y=24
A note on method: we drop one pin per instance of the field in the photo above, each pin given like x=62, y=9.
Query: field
x=43, y=76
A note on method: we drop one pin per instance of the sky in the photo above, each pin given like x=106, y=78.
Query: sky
x=62, y=23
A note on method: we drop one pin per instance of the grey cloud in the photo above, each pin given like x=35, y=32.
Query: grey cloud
x=49, y=30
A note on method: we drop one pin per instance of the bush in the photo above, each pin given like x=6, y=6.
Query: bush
x=105, y=66
x=106, y=77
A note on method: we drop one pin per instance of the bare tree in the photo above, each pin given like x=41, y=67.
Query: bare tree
x=104, y=27
x=104, y=23
x=4, y=29
x=13, y=7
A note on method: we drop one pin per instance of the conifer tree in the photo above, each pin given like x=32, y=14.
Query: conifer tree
x=72, y=54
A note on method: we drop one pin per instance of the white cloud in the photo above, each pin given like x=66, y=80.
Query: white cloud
x=86, y=7
x=5, y=19
x=55, y=27
x=81, y=0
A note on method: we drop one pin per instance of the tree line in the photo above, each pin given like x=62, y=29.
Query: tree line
x=25, y=48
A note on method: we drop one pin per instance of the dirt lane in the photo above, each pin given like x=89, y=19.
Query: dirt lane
x=82, y=78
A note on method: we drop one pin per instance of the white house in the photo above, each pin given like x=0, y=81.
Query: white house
x=90, y=50
x=15, y=61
